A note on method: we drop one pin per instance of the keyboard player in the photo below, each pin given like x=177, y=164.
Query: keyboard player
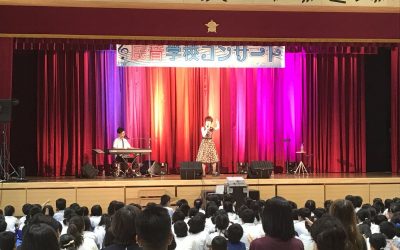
x=122, y=143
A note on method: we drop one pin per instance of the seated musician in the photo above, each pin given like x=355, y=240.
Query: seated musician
x=122, y=143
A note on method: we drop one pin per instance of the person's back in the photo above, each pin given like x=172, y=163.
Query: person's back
x=278, y=227
x=235, y=233
x=7, y=241
x=40, y=237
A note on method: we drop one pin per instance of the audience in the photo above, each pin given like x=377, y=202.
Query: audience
x=274, y=224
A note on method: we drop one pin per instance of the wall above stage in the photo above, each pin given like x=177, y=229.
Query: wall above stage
x=194, y=25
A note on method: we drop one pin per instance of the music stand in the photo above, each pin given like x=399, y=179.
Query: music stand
x=301, y=168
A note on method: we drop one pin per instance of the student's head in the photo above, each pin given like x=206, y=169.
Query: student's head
x=105, y=220
x=68, y=214
x=114, y=206
x=364, y=215
x=153, y=227
x=247, y=216
x=178, y=215
x=185, y=209
x=379, y=219
x=219, y=243
x=379, y=206
x=165, y=200
x=328, y=233
x=7, y=241
x=387, y=203
x=210, y=210
x=123, y=225
x=388, y=229
x=394, y=208
x=26, y=207
x=208, y=120
x=197, y=223
x=192, y=212
x=377, y=241
x=67, y=242
x=198, y=203
x=41, y=218
x=228, y=206
x=310, y=204
x=396, y=222
x=319, y=212
x=9, y=210
x=75, y=228
x=88, y=224
x=96, y=210
x=40, y=237
x=235, y=233
x=121, y=132
x=221, y=222
x=180, y=229
x=61, y=204
x=180, y=202
x=85, y=211
x=357, y=201
x=276, y=219
x=48, y=210
x=304, y=213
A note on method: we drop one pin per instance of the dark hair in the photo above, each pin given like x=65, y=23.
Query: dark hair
x=276, y=219
x=178, y=215
x=210, y=210
x=197, y=223
x=153, y=227
x=219, y=243
x=41, y=218
x=68, y=214
x=120, y=130
x=3, y=225
x=198, y=203
x=329, y=233
x=180, y=229
x=364, y=216
x=394, y=207
x=304, y=213
x=388, y=202
x=35, y=209
x=123, y=225
x=377, y=241
x=48, y=208
x=388, y=229
x=26, y=207
x=61, y=204
x=114, y=206
x=235, y=233
x=344, y=211
x=9, y=210
x=180, y=202
x=379, y=219
x=164, y=200
x=185, y=209
x=221, y=222
x=327, y=204
x=318, y=212
x=88, y=224
x=96, y=210
x=228, y=206
x=85, y=211
x=396, y=221
x=7, y=241
x=379, y=206
x=310, y=204
x=357, y=201
x=208, y=118
x=75, y=228
x=192, y=212
x=39, y=237
x=105, y=220
x=67, y=242
x=247, y=216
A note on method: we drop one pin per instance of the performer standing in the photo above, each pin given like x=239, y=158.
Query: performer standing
x=207, y=153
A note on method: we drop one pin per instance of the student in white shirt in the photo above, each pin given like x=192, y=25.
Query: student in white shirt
x=75, y=228
x=198, y=204
x=60, y=207
x=300, y=225
x=181, y=236
x=95, y=215
x=198, y=235
x=11, y=220
x=250, y=230
x=165, y=202
x=100, y=230
x=221, y=225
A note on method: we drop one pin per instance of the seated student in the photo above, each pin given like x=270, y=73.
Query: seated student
x=68, y=214
x=95, y=215
x=377, y=241
x=123, y=229
x=198, y=203
x=310, y=204
x=25, y=209
x=329, y=233
x=101, y=229
x=61, y=204
x=198, y=236
x=181, y=232
x=300, y=225
x=396, y=221
x=153, y=227
x=221, y=225
x=67, y=242
x=75, y=228
x=235, y=233
x=389, y=230
x=48, y=210
x=165, y=202
x=88, y=232
x=7, y=241
x=364, y=222
x=219, y=243
x=250, y=230
x=40, y=236
x=12, y=221
x=228, y=207
x=211, y=210
x=278, y=227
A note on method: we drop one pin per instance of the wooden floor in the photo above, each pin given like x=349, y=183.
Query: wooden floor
x=102, y=190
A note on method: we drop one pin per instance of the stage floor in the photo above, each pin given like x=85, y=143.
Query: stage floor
x=102, y=190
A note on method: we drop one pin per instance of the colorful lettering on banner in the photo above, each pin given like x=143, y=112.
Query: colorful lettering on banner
x=210, y=56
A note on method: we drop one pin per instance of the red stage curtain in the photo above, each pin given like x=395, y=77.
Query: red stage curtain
x=334, y=113
x=395, y=109
x=316, y=100
x=6, y=55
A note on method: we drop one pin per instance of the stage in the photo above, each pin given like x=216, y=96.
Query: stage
x=102, y=190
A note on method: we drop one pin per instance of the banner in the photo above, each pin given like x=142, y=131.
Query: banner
x=208, y=56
